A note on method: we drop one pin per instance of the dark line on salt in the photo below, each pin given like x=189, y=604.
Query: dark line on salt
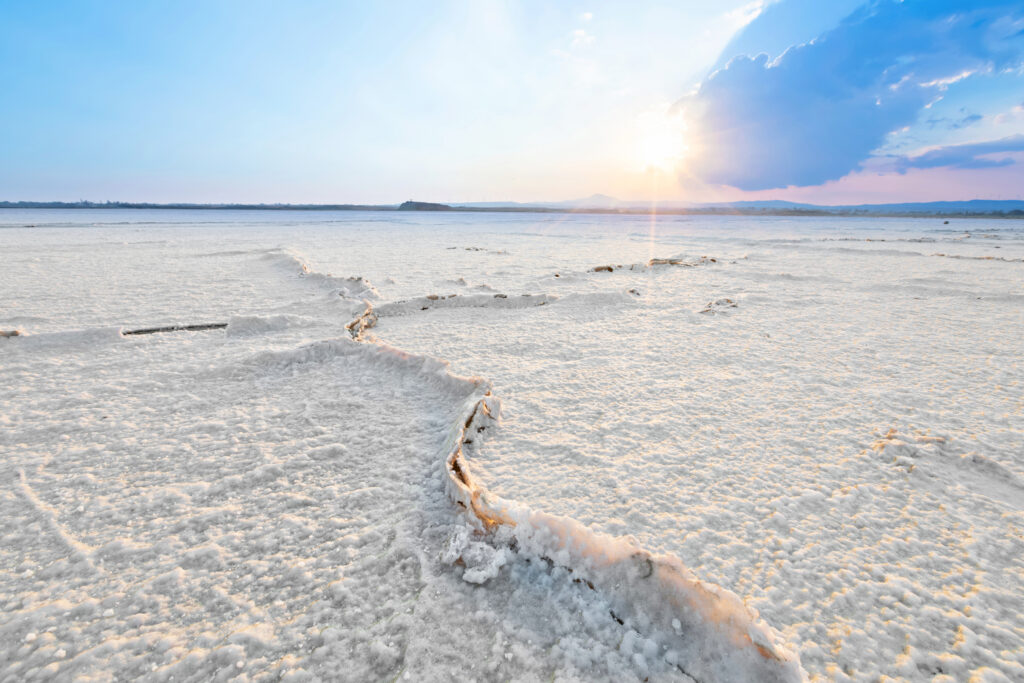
x=177, y=328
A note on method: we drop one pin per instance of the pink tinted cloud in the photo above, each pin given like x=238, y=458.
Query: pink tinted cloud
x=869, y=186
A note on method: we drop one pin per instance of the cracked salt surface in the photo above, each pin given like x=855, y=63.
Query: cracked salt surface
x=842, y=450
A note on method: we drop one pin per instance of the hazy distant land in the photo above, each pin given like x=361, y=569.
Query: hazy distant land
x=600, y=204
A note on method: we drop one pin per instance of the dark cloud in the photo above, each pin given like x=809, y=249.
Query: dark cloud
x=972, y=155
x=955, y=124
x=818, y=110
x=965, y=121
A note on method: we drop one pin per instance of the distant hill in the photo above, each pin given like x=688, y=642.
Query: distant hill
x=423, y=206
x=765, y=204
x=596, y=201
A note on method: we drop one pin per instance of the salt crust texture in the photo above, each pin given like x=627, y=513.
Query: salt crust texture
x=841, y=449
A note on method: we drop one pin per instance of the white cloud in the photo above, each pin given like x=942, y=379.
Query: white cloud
x=943, y=83
x=581, y=38
x=1015, y=114
x=741, y=16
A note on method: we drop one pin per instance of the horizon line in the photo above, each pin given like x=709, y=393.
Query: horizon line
x=1006, y=208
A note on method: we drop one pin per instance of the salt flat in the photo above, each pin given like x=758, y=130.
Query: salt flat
x=822, y=416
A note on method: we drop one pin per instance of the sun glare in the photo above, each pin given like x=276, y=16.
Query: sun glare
x=660, y=140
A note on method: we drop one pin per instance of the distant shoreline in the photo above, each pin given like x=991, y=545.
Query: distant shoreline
x=866, y=211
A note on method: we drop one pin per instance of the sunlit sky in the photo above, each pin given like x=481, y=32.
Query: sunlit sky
x=377, y=102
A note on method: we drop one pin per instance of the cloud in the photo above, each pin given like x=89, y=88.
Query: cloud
x=581, y=38
x=1010, y=116
x=818, y=110
x=968, y=156
x=741, y=16
x=955, y=124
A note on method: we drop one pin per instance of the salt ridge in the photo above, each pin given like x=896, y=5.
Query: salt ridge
x=707, y=632
x=704, y=630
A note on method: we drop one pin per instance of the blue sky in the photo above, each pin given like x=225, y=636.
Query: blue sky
x=841, y=102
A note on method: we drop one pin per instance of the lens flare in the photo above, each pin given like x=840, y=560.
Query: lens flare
x=660, y=140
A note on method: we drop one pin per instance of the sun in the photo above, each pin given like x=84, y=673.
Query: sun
x=660, y=140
